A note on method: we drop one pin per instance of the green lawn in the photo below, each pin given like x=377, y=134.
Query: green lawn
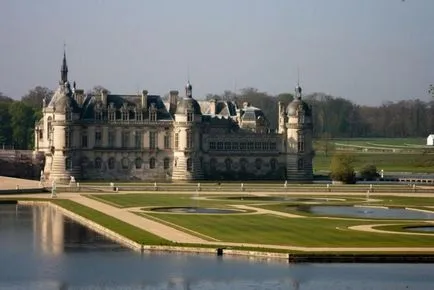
x=309, y=232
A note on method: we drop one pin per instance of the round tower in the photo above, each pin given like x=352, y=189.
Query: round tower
x=299, y=150
x=187, y=125
x=62, y=160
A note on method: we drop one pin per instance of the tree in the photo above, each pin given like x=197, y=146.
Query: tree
x=4, y=98
x=5, y=124
x=342, y=168
x=431, y=90
x=35, y=96
x=22, y=123
x=369, y=172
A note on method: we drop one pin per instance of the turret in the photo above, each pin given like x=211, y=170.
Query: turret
x=188, y=118
x=299, y=138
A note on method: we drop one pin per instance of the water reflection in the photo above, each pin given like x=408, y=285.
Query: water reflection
x=46, y=250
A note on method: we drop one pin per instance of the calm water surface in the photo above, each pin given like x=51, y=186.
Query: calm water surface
x=42, y=249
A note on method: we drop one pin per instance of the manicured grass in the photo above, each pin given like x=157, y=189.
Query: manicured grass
x=120, y=227
x=309, y=232
x=144, y=200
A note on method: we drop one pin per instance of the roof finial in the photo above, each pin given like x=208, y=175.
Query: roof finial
x=298, y=87
x=64, y=68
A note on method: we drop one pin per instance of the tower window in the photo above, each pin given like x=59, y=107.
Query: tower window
x=138, y=162
x=300, y=143
x=98, y=138
x=190, y=116
x=84, y=140
x=189, y=140
x=176, y=140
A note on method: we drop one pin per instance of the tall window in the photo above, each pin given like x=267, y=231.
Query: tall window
x=167, y=141
x=68, y=163
x=300, y=143
x=139, y=115
x=138, y=139
x=152, y=163
x=111, y=163
x=176, y=140
x=124, y=113
x=138, y=162
x=98, y=115
x=152, y=140
x=49, y=128
x=111, y=139
x=84, y=140
x=111, y=115
x=189, y=164
x=189, y=140
x=125, y=139
x=190, y=116
x=67, y=138
x=153, y=116
x=125, y=163
x=98, y=138
x=166, y=163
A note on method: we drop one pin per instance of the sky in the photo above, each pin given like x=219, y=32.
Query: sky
x=366, y=51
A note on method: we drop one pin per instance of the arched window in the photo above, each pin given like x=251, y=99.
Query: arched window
x=111, y=163
x=300, y=164
x=273, y=164
x=166, y=163
x=258, y=163
x=98, y=163
x=152, y=163
x=189, y=165
x=138, y=162
x=125, y=163
x=228, y=164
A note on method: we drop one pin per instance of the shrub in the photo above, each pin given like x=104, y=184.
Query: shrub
x=369, y=172
x=342, y=169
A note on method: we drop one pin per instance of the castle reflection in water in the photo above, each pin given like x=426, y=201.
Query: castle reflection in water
x=54, y=233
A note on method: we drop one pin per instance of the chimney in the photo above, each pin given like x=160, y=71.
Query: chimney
x=212, y=106
x=144, y=99
x=173, y=101
x=104, y=97
x=79, y=96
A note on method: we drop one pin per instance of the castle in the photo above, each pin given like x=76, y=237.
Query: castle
x=127, y=137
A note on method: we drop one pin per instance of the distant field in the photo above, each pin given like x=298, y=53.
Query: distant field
x=389, y=154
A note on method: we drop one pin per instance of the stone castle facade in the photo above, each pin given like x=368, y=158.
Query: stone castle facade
x=127, y=137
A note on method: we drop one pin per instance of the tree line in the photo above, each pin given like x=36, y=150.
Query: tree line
x=333, y=117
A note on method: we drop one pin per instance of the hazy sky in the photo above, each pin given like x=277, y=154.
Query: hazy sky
x=368, y=51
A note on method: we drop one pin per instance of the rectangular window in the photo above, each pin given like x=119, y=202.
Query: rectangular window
x=189, y=140
x=84, y=141
x=67, y=138
x=167, y=141
x=265, y=146
x=234, y=145
x=243, y=146
x=139, y=116
x=219, y=145
x=176, y=140
x=111, y=139
x=112, y=115
x=152, y=140
x=258, y=146
x=125, y=139
x=166, y=163
x=212, y=146
x=250, y=146
x=300, y=143
x=153, y=116
x=98, y=138
x=98, y=115
x=227, y=145
x=138, y=139
x=273, y=146
x=125, y=115
x=189, y=116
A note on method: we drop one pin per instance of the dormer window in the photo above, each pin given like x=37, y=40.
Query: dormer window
x=138, y=114
x=124, y=113
x=98, y=115
x=153, y=113
x=190, y=116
